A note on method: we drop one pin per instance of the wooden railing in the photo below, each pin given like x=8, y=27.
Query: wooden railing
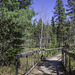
x=68, y=59
x=31, y=59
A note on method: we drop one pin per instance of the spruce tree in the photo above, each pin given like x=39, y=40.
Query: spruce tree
x=53, y=25
x=71, y=14
x=54, y=36
x=60, y=19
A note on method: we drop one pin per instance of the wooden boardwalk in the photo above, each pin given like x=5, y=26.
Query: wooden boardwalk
x=50, y=66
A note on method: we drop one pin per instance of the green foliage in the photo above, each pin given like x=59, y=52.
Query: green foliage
x=37, y=32
x=54, y=43
x=16, y=17
x=60, y=19
x=71, y=14
x=53, y=25
x=71, y=9
x=7, y=70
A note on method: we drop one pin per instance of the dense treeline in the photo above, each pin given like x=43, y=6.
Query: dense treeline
x=17, y=32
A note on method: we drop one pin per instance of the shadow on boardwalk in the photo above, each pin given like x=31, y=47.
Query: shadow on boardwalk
x=52, y=67
x=49, y=67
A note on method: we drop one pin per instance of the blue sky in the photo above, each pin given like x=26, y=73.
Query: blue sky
x=45, y=9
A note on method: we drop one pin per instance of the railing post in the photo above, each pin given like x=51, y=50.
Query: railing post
x=36, y=56
x=69, y=65
x=33, y=59
x=48, y=53
x=26, y=63
x=57, y=51
x=51, y=53
x=45, y=54
x=65, y=60
x=16, y=66
x=39, y=55
x=62, y=56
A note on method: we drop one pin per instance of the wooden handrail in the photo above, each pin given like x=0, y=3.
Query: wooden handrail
x=37, y=59
x=66, y=53
x=31, y=52
x=69, y=53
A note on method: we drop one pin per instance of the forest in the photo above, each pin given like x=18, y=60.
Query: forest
x=18, y=34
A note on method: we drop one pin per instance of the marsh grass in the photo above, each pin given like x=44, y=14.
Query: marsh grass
x=72, y=65
x=7, y=70
x=11, y=69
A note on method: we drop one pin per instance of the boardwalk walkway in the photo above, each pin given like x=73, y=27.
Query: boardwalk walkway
x=51, y=66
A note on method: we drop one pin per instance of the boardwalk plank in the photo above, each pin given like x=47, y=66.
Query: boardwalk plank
x=51, y=66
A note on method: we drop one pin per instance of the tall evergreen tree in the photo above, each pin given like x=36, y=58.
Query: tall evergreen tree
x=16, y=16
x=53, y=25
x=60, y=19
x=54, y=35
x=37, y=32
x=71, y=14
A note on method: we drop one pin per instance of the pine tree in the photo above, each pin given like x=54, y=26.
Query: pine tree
x=54, y=36
x=16, y=17
x=53, y=25
x=60, y=19
x=37, y=32
x=71, y=14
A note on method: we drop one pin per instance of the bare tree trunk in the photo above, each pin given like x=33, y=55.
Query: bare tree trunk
x=41, y=28
x=41, y=35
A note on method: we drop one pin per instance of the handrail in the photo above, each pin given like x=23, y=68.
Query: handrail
x=37, y=58
x=31, y=52
x=66, y=59
x=69, y=53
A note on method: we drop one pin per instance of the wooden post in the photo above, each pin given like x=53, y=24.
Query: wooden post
x=36, y=57
x=26, y=63
x=39, y=55
x=45, y=54
x=69, y=65
x=48, y=53
x=62, y=56
x=65, y=60
x=16, y=67
x=57, y=51
x=33, y=59
x=51, y=53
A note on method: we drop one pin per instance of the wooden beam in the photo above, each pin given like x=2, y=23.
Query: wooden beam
x=31, y=52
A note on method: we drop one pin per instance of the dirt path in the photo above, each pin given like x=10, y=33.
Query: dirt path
x=51, y=66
